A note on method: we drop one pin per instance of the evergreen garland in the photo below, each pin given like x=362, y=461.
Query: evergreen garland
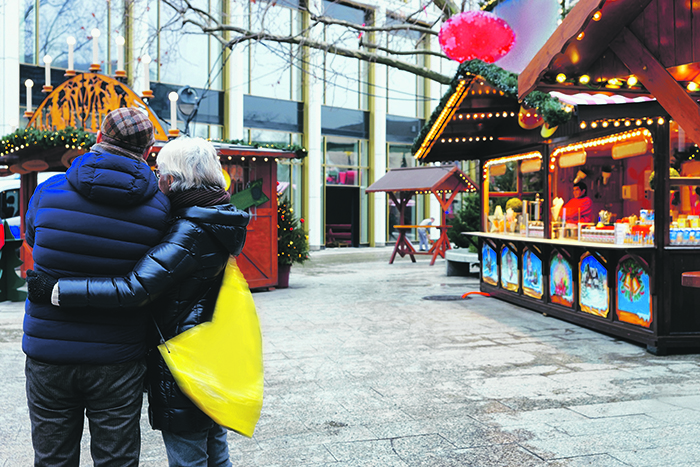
x=552, y=109
x=70, y=138
x=292, y=243
x=76, y=138
x=299, y=151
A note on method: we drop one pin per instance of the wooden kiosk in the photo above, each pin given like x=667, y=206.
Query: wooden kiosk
x=445, y=182
x=620, y=273
x=63, y=127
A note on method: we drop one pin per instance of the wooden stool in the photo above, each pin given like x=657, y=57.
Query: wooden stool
x=691, y=279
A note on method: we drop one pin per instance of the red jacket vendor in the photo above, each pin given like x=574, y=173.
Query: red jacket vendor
x=579, y=206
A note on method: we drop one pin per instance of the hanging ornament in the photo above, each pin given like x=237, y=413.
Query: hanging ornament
x=476, y=34
x=529, y=118
x=547, y=130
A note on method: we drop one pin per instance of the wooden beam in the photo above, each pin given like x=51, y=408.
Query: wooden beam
x=565, y=53
x=574, y=23
x=671, y=95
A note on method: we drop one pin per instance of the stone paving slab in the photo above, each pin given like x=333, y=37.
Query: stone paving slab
x=362, y=371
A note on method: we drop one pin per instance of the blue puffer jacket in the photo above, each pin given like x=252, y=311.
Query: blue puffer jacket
x=184, y=273
x=97, y=220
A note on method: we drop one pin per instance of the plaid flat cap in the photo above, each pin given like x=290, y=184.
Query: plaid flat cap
x=128, y=128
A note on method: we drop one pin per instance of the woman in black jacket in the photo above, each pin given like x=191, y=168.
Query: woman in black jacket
x=184, y=273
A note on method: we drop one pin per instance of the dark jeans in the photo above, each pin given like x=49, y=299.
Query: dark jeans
x=59, y=396
x=200, y=449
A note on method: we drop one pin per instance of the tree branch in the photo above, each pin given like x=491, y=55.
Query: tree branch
x=448, y=8
x=334, y=49
x=357, y=27
x=216, y=29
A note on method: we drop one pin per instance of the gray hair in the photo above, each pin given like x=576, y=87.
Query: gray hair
x=192, y=162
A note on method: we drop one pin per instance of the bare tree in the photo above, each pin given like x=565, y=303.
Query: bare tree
x=230, y=35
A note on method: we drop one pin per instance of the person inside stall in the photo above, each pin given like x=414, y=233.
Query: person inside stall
x=579, y=208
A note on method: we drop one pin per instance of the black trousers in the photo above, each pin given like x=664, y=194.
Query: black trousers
x=60, y=396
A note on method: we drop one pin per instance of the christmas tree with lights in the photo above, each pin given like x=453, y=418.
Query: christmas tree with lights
x=292, y=243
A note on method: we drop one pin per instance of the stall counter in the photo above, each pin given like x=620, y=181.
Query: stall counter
x=563, y=242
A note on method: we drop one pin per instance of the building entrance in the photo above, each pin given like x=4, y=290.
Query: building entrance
x=342, y=216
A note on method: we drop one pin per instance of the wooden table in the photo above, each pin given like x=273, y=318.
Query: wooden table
x=404, y=247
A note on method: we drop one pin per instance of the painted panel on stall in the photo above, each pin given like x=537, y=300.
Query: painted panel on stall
x=561, y=279
x=594, y=294
x=532, y=275
x=510, y=275
x=633, y=297
x=489, y=265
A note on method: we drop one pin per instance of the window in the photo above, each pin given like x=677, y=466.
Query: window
x=684, y=196
x=274, y=68
x=59, y=19
x=345, y=77
x=404, y=89
x=346, y=174
x=185, y=55
x=508, y=183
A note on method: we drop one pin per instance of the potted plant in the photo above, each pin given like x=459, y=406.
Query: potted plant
x=292, y=242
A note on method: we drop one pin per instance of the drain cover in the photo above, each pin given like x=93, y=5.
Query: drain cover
x=443, y=298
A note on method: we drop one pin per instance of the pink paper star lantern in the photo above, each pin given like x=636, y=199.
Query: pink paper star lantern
x=476, y=34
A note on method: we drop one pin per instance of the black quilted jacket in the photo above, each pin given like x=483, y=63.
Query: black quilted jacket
x=184, y=274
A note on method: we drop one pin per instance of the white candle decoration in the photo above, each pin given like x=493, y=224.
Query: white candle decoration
x=120, y=52
x=146, y=60
x=71, y=44
x=95, y=46
x=47, y=70
x=173, y=110
x=29, y=84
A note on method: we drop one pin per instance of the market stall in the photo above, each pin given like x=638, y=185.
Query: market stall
x=445, y=182
x=591, y=218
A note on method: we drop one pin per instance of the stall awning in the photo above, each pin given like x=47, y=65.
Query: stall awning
x=423, y=179
x=585, y=98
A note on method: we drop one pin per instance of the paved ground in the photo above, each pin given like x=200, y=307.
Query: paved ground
x=362, y=371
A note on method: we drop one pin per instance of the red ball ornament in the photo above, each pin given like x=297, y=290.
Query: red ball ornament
x=476, y=34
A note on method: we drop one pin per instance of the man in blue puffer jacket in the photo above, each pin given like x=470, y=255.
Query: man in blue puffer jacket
x=97, y=220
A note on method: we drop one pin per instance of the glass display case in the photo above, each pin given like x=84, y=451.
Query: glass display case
x=684, y=190
x=513, y=194
x=600, y=189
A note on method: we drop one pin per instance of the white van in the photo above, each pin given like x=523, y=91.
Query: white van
x=9, y=199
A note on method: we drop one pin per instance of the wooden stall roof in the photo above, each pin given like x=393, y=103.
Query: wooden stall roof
x=656, y=41
x=424, y=179
x=479, y=113
x=481, y=120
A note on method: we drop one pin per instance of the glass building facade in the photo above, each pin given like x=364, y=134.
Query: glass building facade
x=366, y=114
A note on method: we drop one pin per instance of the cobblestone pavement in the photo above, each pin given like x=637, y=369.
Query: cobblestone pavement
x=361, y=370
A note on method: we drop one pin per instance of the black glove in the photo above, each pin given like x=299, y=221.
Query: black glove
x=40, y=286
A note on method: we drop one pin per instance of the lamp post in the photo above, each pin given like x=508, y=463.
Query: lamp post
x=174, y=132
x=95, y=66
x=47, y=74
x=70, y=40
x=120, y=73
x=29, y=84
x=147, y=93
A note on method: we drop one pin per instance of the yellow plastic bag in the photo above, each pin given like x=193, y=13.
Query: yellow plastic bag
x=218, y=364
